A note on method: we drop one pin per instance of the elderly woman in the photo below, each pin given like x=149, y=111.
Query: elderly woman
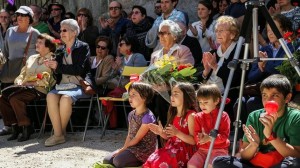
x=138, y=28
x=101, y=64
x=71, y=65
x=88, y=32
x=34, y=81
x=18, y=40
x=215, y=62
x=168, y=34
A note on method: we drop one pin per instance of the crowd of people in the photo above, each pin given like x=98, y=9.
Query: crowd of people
x=49, y=53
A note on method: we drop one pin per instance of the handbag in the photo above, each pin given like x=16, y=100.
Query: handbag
x=12, y=68
x=252, y=89
x=65, y=86
x=2, y=58
x=13, y=89
x=86, y=87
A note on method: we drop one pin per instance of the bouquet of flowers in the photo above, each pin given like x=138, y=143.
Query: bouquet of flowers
x=164, y=72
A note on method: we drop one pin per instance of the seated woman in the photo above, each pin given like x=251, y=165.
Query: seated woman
x=101, y=64
x=128, y=48
x=71, y=65
x=38, y=79
x=168, y=33
x=215, y=62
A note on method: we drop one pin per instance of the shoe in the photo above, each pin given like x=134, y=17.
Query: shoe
x=27, y=131
x=15, y=132
x=55, y=140
x=5, y=131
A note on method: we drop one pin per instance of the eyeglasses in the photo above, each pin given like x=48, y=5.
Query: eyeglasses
x=157, y=7
x=121, y=44
x=4, y=17
x=135, y=12
x=55, y=9
x=114, y=8
x=21, y=14
x=82, y=14
x=63, y=30
x=102, y=47
x=163, y=33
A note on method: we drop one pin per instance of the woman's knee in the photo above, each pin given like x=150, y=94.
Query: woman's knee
x=52, y=98
x=65, y=99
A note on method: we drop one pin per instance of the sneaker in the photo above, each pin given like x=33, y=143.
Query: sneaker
x=55, y=140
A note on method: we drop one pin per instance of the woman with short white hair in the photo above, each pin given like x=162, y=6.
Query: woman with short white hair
x=71, y=65
x=168, y=33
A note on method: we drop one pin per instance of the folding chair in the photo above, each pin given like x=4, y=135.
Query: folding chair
x=127, y=71
x=90, y=107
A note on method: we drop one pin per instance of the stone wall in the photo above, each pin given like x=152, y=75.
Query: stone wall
x=99, y=7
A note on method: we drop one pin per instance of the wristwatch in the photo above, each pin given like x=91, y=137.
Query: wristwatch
x=271, y=137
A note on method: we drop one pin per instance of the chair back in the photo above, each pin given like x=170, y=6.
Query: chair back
x=128, y=70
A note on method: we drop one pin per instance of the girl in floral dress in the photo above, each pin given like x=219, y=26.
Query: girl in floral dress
x=140, y=141
x=180, y=145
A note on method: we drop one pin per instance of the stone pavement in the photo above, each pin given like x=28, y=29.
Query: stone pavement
x=73, y=153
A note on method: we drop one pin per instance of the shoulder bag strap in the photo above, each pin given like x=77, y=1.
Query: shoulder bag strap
x=26, y=48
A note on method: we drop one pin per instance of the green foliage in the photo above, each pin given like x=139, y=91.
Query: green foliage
x=289, y=71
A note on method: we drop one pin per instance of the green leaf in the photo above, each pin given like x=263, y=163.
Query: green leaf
x=189, y=71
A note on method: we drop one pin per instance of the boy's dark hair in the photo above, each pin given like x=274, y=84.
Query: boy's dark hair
x=279, y=82
x=285, y=23
x=142, y=9
x=145, y=90
x=209, y=91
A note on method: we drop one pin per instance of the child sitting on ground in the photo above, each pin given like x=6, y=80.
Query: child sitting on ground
x=209, y=98
x=180, y=145
x=140, y=141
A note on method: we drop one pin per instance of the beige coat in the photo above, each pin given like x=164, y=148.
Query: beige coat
x=104, y=69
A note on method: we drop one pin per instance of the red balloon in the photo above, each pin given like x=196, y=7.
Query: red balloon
x=271, y=107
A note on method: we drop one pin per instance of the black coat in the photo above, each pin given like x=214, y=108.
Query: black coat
x=80, y=62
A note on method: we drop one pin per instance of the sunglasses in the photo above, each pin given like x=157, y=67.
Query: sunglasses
x=114, y=8
x=55, y=9
x=82, y=14
x=157, y=7
x=4, y=17
x=163, y=33
x=135, y=12
x=102, y=47
x=121, y=44
x=21, y=14
x=63, y=30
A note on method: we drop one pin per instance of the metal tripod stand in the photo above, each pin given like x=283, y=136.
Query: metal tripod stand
x=245, y=35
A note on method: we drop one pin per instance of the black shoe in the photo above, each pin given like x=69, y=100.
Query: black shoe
x=27, y=131
x=5, y=131
x=15, y=132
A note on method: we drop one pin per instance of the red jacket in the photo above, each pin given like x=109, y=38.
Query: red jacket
x=207, y=123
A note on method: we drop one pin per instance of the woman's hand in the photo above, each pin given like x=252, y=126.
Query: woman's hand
x=268, y=121
x=52, y=64
x=193, y=30
x=103, y=22
x=262, y=64
x=251, y=135
x=275, y=10
x=29, y=83
x=156, y=129
x=83, y=23
x=171, y=131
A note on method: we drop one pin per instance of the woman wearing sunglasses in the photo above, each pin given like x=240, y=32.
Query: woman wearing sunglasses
x=88, y=32
x=70, y=66
x=138, y=27
x=101, y=64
